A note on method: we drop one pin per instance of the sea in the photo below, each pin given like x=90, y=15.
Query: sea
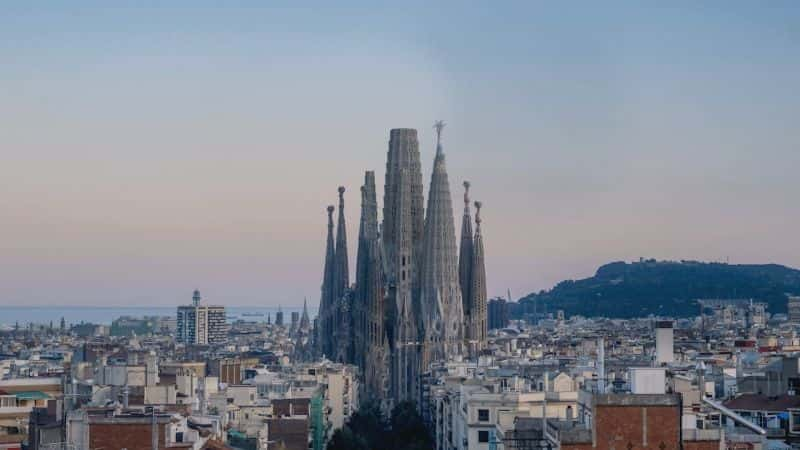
x=104, y=315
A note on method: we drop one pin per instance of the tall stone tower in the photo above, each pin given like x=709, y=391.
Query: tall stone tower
x=341, y=270
x=465, y=261
x=477, y=303
x=359, y=307
x=406, y=308
x=371, y=348
x=342, y=336
x=440, y=289
x=402, y=238
x=326, y=301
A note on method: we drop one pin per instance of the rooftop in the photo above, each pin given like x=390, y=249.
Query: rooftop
x=757, y=402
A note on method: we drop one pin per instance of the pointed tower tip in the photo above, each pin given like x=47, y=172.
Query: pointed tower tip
x=466, y=194
x=439, y=126
x=341, y=191
x=478, y=206
x=331, y=208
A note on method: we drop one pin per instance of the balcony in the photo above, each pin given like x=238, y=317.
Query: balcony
x=702, y=435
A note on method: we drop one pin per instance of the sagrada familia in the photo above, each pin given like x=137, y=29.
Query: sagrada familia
x=416, y=299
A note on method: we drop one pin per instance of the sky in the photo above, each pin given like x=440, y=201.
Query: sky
x=151, y=148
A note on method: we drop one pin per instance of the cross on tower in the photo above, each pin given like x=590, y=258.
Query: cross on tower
x=438, y=126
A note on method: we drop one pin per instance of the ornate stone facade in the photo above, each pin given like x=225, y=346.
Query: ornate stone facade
x=406, y=308
x=440, y=290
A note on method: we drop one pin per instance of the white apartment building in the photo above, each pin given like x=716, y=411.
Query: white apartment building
x=466, y=413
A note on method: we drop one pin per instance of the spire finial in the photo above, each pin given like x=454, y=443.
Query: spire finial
x=341, y=198
x=466, y=194
x=478, y=213
x=330, y=214
x=438, y=126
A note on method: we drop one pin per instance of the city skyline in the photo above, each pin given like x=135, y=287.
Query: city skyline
x=145, y=158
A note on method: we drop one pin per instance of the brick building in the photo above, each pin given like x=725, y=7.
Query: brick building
x=109, y=429
x=289, y=433
x=619, y=422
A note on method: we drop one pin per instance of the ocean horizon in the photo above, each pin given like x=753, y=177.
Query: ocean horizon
x=104, y=315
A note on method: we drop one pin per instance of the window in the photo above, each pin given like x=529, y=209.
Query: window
x=483, y=415
x=483, y=436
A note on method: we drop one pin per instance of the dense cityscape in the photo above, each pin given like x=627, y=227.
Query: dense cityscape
x=409, y=355
x=244, y=226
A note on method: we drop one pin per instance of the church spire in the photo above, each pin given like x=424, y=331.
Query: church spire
x=370, y=340
x=305, y=323
x=401, y=238
x=341, y=271
x=478, y=288
x=465, y=256
x=326, y=299
x=440, y=291
x=439, y=126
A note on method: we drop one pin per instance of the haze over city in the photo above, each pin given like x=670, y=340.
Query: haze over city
x=148, y=151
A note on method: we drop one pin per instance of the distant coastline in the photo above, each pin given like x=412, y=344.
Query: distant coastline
x=9, y=315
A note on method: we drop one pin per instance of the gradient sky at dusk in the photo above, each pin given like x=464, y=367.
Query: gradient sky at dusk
x=148, y=150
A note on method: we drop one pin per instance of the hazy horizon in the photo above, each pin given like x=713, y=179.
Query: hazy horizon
x=148, y=151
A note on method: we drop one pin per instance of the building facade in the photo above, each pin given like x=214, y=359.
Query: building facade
x=407, y=308
x=201, y=324
x=498, y=313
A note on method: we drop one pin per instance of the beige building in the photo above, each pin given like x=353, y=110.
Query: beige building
x=794, y=308
x=17, y=398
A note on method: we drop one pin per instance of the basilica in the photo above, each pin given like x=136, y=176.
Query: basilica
x=418, y=298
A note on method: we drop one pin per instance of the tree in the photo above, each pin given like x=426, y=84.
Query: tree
x=370, y=423
x=408, y=429
x=345, y=439
x=368, y=429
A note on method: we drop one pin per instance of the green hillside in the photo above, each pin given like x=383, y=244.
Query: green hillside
x=667, y=288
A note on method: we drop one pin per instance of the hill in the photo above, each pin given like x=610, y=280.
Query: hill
x=668, y=288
